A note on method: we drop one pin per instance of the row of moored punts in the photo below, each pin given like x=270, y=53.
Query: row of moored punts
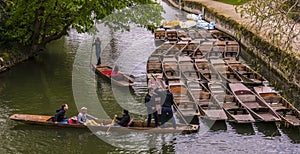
x=203, y=73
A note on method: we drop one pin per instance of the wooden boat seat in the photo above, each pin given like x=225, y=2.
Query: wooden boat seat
x=247, y=98
x=272, y=99
x=267, y=116
x=186, y=105
x=255, y=105
x=278, y=106
x=204, y=103
x=293, y=119
x=238, y=111
x=230, y=105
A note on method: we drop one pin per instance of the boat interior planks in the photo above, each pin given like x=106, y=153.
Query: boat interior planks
x=258, y=107
x=288, y=113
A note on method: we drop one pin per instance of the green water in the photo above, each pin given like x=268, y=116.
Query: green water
x=42, y=84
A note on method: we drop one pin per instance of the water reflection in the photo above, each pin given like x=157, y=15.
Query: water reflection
x=243, y=129
x=42, y=84
x=268, y=129
x=292, y=133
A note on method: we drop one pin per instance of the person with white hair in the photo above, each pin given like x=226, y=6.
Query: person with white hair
x=82, y=116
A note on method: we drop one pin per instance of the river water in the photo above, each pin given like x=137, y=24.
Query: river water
x=62, y=75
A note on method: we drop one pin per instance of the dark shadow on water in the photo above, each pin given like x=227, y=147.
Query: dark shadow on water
x=243, y=129
x=29, y=127
x=292, y=133
x=214, y=125
x=268, y=128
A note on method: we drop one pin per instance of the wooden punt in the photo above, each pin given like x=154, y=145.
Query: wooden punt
x=171, y=69
x=220, y=35
x=160, y=34
x=248, y=75
x=288, y=113
x=206, y=71
x=172, y=35
x=187, y=68
x=103, y=125
x=217, y=51
x=208, y=109
x=184, y=100
x=116, y=77
x=228, y=75
x=175, y=50
x=189, y=49
x=203, y=49
x=154, y=64
x=183, y=36
x=259, y=109
x=232, y=50
x=232, y=107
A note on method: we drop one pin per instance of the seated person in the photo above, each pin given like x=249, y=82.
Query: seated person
x=82, y=116
x=124, y=120
x=60, y=114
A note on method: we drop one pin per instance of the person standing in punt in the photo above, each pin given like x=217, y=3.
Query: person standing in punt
x=97, y=44
x=151, y=107
x=60, y=115
x=167, y=101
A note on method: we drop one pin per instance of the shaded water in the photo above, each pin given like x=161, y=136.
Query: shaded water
x=41, y=85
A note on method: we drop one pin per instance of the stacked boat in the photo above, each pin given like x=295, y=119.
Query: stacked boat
x=207, y=79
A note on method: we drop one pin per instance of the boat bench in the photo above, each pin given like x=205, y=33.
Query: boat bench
x=254, y=105
x=247, y=98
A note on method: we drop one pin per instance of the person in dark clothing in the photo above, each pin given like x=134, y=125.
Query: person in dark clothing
x=60, y=114
x=151, y=107
x=123, y=121
x=167, y=101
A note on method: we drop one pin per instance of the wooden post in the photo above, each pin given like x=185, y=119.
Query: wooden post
x=203, y=13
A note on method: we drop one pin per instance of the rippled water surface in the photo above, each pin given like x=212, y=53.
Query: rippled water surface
x=42, y=84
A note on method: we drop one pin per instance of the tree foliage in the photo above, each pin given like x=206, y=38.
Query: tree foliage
x=276, y=19
x=38, y=22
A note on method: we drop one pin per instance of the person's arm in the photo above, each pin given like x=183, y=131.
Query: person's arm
x=147, y=101
x=58, y=115
x=119, y=118
x=91, y=117
x=55, y=117
x=79, y=118
x=172, y=99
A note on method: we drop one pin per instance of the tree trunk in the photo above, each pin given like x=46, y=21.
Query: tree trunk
x=37, y=27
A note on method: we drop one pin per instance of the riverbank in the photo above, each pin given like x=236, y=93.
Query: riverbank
x=12, y=56
x=285, y=64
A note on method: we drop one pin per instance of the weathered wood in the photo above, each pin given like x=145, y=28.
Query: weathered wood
x=283, y=108
x=232, y=107
x=103, y=124
x=253, y=103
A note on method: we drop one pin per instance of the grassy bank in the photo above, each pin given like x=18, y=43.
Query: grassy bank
x=233, y=2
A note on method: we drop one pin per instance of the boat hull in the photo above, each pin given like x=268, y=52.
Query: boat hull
x=103, y=125
x=259, y=109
